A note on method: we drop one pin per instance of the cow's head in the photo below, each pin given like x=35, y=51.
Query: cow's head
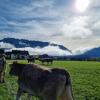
x=15, y=69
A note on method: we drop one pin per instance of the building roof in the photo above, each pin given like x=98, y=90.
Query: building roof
x=44, y=56
x=20, y=52
x=8, y=53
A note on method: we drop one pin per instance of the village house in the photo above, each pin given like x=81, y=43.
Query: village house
x=19, y=54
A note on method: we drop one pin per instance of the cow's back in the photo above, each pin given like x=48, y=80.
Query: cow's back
x=34, y=77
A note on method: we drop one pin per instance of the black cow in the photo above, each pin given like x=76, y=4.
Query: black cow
x=31, y=60
x=47, y=60
x=2, y=68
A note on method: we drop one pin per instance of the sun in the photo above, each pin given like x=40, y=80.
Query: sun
x=82, y=5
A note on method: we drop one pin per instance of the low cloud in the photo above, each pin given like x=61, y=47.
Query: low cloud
x=82, y=50
x=50, y=50
x=6, y=45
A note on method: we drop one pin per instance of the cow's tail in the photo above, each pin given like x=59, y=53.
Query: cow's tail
x=67, y=93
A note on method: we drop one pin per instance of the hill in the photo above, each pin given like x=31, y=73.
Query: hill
x=36, y=46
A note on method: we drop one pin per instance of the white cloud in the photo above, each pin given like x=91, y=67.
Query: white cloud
x=77, y=28
x=82, y=50
x=45, y=20
x=95, y=3
x=50, y=50
x=96, y=26
x=6, y=45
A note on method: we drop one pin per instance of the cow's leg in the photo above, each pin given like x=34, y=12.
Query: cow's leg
x=50, y=98
x=19, y=93
x=2, y=77
x=40, y=98
x=29, y=97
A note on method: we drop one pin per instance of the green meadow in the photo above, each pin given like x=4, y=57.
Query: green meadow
x=85, y=80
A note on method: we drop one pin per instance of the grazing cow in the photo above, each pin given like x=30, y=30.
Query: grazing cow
x=44, y=83
x=48, y=60
x=2, y=68
x=31, y=60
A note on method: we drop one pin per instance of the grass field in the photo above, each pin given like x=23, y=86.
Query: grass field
x=85, y=80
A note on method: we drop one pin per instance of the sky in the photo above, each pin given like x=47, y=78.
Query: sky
x=73, y=23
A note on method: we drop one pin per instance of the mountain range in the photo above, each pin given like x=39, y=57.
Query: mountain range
x=23, y=43
x=92, y=53
x=20, y=43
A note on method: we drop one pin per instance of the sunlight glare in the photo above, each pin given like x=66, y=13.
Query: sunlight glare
x=82, y=5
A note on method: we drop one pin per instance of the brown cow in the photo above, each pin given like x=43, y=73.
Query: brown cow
x=2, y=68
x=44, y=83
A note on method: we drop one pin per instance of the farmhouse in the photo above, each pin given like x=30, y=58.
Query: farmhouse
x=18, y=54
